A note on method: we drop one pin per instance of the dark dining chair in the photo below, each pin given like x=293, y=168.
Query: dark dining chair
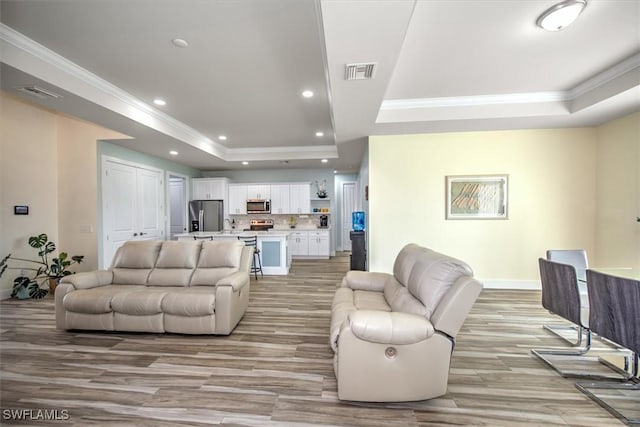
x=560, y=295
x=615, y=315
x=578, y=259
x=256, y=264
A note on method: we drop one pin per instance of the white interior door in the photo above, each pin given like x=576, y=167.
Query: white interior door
x=177, y=206
x=348, y=206
x=132, y=206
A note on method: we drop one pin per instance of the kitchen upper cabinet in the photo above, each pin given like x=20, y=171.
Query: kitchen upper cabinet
x=258, y=191
x=280, y=199
x=299, y=198
x=299, y=244
x=210, y=188
x=237, y=199
x=319, y=244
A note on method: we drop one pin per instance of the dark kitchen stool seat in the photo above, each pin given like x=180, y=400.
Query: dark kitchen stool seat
x=203, y=238
x=256, y=264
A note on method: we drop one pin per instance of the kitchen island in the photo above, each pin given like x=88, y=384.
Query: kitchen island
x=273, y=245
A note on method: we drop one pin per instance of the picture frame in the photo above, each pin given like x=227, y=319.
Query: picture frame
x=477, y=196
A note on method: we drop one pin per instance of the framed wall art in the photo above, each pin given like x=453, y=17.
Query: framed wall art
x=476, y=197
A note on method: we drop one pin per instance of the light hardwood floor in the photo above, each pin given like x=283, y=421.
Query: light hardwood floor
x=275, y=369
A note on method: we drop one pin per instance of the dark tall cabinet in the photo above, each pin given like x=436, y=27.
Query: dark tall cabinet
x=358, y=250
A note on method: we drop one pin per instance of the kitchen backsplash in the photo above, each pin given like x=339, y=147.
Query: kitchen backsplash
x=279, y=221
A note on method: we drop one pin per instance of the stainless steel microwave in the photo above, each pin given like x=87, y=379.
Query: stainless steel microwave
x=258, y=206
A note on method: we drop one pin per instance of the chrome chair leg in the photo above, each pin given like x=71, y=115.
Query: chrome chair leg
x=627, y=393
x=556, y=330
x=616, y=375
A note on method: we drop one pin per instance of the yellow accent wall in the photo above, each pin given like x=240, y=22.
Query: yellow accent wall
x=618, y=193
x=552, y=197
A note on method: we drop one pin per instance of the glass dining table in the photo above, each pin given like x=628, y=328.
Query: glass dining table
x=625, y=272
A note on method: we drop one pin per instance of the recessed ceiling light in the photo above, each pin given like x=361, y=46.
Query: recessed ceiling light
x=173, y=152
x=222, y=137
x=561, y=15
x=307, y=93
x=319, y=134
x=180, y=42
x=159, y=101
x=324, y=160
x=245, y=163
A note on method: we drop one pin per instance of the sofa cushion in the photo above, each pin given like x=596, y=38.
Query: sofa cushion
x=95, y=300
x=400, y=299
x=137, y=254
x=146, y=301
x=225, y=253
x=190, y=302
x=431, y=277
x=134, y=260
x=370, y=300
x=210, y=276
x=179, y=254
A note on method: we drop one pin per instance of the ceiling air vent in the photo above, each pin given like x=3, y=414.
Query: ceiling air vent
x=364, y=71
x=39, y=92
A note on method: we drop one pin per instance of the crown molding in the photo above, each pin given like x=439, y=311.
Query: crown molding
x=111, y=97
x=475, y=100
x=610, y=74
x=136, y=109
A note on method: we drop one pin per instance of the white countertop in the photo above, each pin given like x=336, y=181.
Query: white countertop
x=232, y=233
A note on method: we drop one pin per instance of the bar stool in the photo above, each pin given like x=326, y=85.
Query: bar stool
x=256, y=264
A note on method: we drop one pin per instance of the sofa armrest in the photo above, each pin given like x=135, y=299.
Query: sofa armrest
x=237, y=280
x=365, y=280
x=90, y=279
x=386, y=327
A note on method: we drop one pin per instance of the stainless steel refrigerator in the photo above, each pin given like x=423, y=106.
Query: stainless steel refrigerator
x=205, y=215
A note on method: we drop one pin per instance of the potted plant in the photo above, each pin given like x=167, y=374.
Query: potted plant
x=43, y=272
x=321, y=189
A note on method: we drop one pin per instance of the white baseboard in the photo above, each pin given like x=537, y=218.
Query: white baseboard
x=511, y=284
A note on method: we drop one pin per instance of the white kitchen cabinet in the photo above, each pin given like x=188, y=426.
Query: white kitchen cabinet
x=237, y=199
x=280, y=199
x=259, y=191
x=210, y=188
x=319, y=244
x=299, y=198
x=300, y=243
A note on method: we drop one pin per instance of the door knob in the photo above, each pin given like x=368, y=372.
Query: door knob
x=135, y=234
x=141, y=233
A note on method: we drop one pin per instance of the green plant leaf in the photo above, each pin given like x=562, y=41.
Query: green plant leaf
x=62, y=256
x=4, y=260
x=38, y=241
x=78, y=258
x=21, y=282
x=3, y=269
x=48, y=248
x=36, y=292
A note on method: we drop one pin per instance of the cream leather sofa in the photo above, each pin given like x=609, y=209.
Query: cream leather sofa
x=187, y=287
x=393, y=335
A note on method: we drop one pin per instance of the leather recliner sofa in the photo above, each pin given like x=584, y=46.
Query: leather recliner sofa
x=393, y=335
x=187, y=287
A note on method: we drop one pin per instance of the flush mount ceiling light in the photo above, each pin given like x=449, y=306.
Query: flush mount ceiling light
x=159, y=101
x=561, y=15
x=173, y=152
x=180, y=42
x=307, y=93
x=319, y=134
x=222, y=137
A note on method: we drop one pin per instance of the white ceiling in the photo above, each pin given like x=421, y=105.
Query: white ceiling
x=442, y=66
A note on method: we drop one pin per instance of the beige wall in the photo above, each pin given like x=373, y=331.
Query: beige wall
x=552, y=199
x=618, y=192
x=48, y=161
x=28, y=176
